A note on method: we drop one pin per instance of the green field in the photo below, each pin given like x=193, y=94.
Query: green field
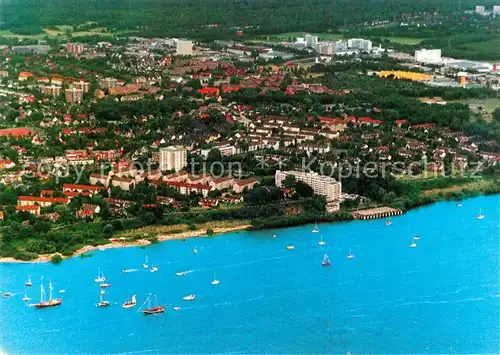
x=61, y=31
x=404, y=40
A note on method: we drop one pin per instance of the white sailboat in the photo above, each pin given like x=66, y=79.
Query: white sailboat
x=131, y=303
x=350, y=255
x=316, y=229
x=102, y=302
x=388, y=222
x=189, y=297
x=195, y=251
x=26, y=298
x=215, y=281
x=321, y=241
x=100, y=277
x=154, y=269
x=413, y=244
x=145, y=265
x=28, y=282
x=290, y=247
x=480, y=215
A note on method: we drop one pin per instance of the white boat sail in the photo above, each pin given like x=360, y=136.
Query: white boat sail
x=100, y=277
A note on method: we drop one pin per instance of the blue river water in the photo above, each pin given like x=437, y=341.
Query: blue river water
x=440, y=297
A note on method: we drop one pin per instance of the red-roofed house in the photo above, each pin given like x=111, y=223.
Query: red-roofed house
x=16, y=132
x=24, y=75
x=240, y=185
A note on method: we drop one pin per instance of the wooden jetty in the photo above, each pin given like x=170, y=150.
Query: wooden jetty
x=378, y=212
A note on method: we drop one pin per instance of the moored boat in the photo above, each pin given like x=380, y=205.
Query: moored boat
x=321, y=241
x=28, y=282
x=195, y=250
x=145, y=265
x=26, y=298
x=152, y=310
x=154, y=269
x=215, y=281
x=189, y=297
x=290, y=247
x=326, y=261
x=413, y=245
x=388, y=222
x=350, y=255
x=315, y=229
x=104, y=285
x=52, y=302
x=102, y=302
x=7, y=294
x=131, y=303
x=480, y=215
x=100, y=277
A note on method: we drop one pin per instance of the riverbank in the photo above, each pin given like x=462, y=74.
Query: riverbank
x=123, y=242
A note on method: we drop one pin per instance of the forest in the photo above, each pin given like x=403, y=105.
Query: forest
x=187, y=17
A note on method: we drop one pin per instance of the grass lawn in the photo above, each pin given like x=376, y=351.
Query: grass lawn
x=404, y=40
x=477, y=185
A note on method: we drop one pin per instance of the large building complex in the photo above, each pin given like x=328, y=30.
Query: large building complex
x=173, y=158
x=321, y=184
x=74, y=96
x=428, y=56
x=364, y=45
x=184, y=47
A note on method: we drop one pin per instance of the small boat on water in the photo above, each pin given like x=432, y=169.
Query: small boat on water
x=153, y=310
x=413, y=245
x=154, y=269
x=100, y=277
x=388, y=222
x=480, y=215
x=62, y=291
x=52, y=302
x=195, y=251
x=459, y=205
x=315, y=229
x=189, y=297
x=350, y=255
x=28, y=282
x=290, y=247
x=177, y=309
x=131, y=303
x=128, y=270
x=326, y=261
x=104, y=285
x=321, y=241
x=7, y=294
x=181, y=273
x=417, y=237
x=26, y=298
x=215, y=281
x=274, y=236
x=145, y=265
x=102, y=303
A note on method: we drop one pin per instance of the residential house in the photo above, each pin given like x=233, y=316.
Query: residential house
x=240, y=186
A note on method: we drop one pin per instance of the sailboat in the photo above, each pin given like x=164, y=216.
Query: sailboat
x=131, y=303
x=480, y=215
x=104, y=285
x=274, y=236
x=417, y=237
x=176, y=308
x=153, y=310
x=145, y=265
x=154, y=269
x=215, y=281
x=189, y=297
x=195, y=251
x=100, y=277
x=290, y=247
x=7, y=294
x=413, y=244
x=51, y=302
x=321, y=242
x=388, y=222
x=326, y=261
x=28, y=282
x=315, y=230
x=102, y=302
x=26, y=298
x=350, y=255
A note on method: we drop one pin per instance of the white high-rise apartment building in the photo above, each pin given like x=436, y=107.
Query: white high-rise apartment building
x=496, y=9
x=311, y=41
x=321, y=184
x=173, y=158
x=364, y=45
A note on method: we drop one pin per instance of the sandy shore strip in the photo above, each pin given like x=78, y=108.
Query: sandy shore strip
x=134, y=243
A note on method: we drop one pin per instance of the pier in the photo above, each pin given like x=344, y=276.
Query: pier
x=378, y=212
